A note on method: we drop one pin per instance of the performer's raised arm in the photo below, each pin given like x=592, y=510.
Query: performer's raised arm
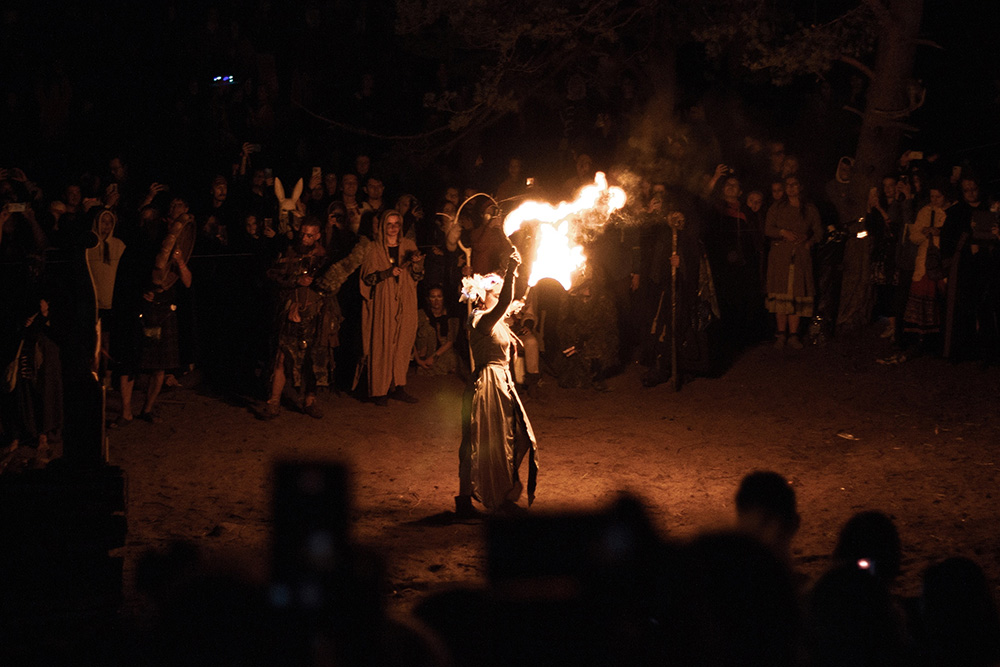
x=506, y=295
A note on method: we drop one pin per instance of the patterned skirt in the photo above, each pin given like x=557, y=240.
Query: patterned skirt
x=923, y=307
x=788, y=303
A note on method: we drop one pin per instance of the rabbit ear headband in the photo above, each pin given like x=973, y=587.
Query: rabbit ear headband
x=474, y=288
x=279, y=190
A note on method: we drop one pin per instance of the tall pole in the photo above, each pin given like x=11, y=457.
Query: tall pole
x=675, y=381
x=676, y=221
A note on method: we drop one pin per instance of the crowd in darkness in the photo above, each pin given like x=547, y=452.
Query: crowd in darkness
x=237, y=243
x=761, y=253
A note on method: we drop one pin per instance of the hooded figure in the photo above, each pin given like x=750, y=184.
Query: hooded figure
x=104, y=257
x=390, y=271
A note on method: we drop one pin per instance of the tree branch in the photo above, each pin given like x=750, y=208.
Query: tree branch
x=858, y=65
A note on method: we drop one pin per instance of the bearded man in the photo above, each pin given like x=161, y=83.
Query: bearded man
x=309, y=316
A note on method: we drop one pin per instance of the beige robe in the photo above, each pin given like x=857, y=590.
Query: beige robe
x=388, y=314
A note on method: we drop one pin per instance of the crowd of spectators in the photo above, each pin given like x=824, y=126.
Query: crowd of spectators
x=285, y=266
x=361, y=285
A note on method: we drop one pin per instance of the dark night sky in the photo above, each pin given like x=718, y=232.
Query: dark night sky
x=128, y=70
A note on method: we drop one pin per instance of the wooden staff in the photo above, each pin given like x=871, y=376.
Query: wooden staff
x=676, y=222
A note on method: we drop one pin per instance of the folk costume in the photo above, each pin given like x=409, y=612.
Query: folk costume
x=500, y=435
x=309, y=318
x=790, y=284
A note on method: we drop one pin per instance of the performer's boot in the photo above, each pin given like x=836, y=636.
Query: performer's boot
x=464, y=508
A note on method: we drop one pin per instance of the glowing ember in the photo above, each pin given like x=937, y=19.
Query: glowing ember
x=557, y=255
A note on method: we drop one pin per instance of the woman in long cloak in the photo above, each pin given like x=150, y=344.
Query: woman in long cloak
x=390, y=271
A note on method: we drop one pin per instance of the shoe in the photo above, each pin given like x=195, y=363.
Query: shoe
x=892, y=360
x=313, y=411
x=794, y=343
x=150, y=417
x=270, y=411
x=380, y=401
x=121, y=422
x=400, y=395
x=779, y=342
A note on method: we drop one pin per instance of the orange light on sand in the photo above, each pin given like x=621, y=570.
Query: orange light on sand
x=557, y=255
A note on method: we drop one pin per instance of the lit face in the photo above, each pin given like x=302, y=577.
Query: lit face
x=792, y=187
x=375, y=189
x=435, y=298
x=393, y=225
x=220, y=190
x=970, y=191
x=178, y=207
x=105, y=225
x=363, y=163
x=889, y=188
x=330, y=183
x=731, y=188
x=777, y=191
x=250, y=225
x=491, y=298
x=309, y=234
x=350, y=185
x=514, y=168
x=843, y=170
x=451, y=194
x=117, y=169
x=403, y=203
x=73, y=195
x=937, y=198
x=790, y=166
x=336, y=217
x=755, y=201
x=259, y=178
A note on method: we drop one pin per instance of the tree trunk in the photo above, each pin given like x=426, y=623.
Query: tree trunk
x=883, y=123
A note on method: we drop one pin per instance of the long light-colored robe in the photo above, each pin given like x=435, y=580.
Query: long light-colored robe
x=388, y=313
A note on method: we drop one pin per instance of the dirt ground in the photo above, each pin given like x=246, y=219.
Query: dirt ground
x=918, y=441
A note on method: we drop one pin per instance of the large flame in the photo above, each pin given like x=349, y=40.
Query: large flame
x=557, y=255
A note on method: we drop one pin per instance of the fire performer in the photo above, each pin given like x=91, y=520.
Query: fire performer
x=498, y=435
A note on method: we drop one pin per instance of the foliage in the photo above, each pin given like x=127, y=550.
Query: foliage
x=769, y=38
x=518, y=49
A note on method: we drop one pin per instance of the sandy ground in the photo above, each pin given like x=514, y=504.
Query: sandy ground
x=917, y=441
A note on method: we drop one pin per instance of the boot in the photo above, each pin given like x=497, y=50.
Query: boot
x=464, y=508
x=658, y=372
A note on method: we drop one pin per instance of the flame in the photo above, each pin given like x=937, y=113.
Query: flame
x=557, y=255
